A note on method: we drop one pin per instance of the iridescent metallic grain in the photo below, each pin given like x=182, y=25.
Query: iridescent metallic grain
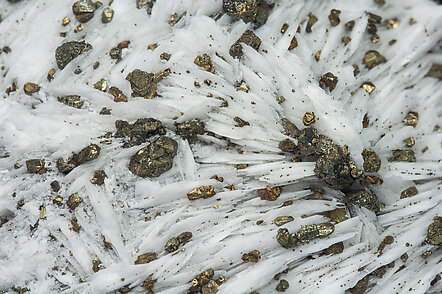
x=143, y=84
x=154, y=159
x=373, y=58
x=365, y=199
x=372, y=162
x=313, y=231
x=270, y=193
x=328, y=80
x=69, y=51
x=201, y=192
x=36, y=166
x=138, y=132
x=434, y=232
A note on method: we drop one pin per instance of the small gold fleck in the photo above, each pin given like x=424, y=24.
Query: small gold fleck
x=201, y=192
x=17, y=165
x=284, y=28
x=346, y=39
x=31, y=88
x=328, y=80
x=368, y=87
x=312, y=19
x=411, y=119
x=338, y=215
x=350, y=25
x=50, y=75
x=375, y=38
x=309, y=118
x=280, y=99
x=334, y=17
x=356, y=70
x=66, y=20
x=242, y=86
x=373, y=58
x=412, y=21
x=242, y=166
x=80, y=27
x=42, y=212
x=101, y=85
x=365, y=121
x=293, y=43
x=409, y=192
x=152, y=46
x=409, y=142
x=96, y=265
x=318, y=55
x=252, y=256
x=215, y=206
x=392, y=23
x=270, y=193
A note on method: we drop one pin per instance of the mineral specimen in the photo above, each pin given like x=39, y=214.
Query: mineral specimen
x=71, y=100
x=73, y=201
x=312, y=19
x=190, y=129
x=69, y=51
x=139, y=131
x=360, y=286
x=334, y=249
x=338, y=215
x=252, y=256
x=309, y=118
x=204, y=61
x=172, y=245
x=282, y=220
x=409, y=192
x=286, y=239
x=98, y=178
x=363, y=199
x=411, y=119
x=249, y=38
x=107, y=15
x=270, y=193
x=373, y=58
x=310, y=232
x=328, y=80
x=154, y=159
x=282, y=286
x=31, y=88
x=290, y=128
x=307, y=139
x=84, y=10
x=36, y=166
x=372, y=162
x=435, y=71
x=240, y=122
x=201, y=192
x=88, y=153
x=434, y=232
x=118, y=94
x=334, y=17
x=55, y=186
x=241, y=9
x=101, y=85
x=184, y=237
x=146, y=258
x=336, y=168
x=143, y=84
x=287, y=145
x=403, y=155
